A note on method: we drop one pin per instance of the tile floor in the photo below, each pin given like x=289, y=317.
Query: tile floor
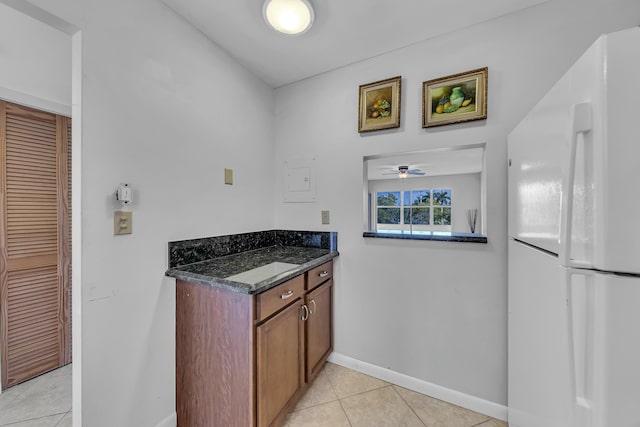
x=44, y=401
x=340, y=397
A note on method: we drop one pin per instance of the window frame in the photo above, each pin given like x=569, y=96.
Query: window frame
x=411, y=227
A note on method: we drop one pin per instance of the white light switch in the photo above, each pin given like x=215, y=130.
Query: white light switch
x=122, y=222
x=325, y=217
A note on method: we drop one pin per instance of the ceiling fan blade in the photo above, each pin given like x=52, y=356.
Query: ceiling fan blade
x=416, y=172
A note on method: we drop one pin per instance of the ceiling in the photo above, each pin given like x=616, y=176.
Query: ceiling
x=453, y=161
x=344, y=32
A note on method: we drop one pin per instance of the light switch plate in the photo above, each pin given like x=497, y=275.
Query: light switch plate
x=325, y=217
x=122, y=222
x=228, y=176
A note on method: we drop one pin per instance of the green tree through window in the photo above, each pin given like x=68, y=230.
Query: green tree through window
x=442, y=207
x=414, y=207
x=389, y=207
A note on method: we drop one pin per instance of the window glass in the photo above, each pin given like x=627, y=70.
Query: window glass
x=388, y=215
x=389, y=198
x=442, y=215
x=420, y=198
x=414, y=209
x=417, y=216
x=442, y=197
x=387, y=211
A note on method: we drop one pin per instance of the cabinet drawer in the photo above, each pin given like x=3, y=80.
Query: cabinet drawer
x=320, y=274
x=274, y=299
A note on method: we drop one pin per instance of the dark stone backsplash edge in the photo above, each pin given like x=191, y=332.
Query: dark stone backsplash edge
x=183, y=252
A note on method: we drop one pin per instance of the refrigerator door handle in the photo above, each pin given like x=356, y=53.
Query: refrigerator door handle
x=580, y=316
x=580, y=123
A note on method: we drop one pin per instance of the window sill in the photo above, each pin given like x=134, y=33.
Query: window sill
x=444, y=236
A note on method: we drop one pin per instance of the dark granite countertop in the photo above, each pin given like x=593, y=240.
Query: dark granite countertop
x=427, y=235
x=301, y=251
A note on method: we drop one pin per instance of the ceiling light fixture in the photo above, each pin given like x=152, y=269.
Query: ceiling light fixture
x=288, y=16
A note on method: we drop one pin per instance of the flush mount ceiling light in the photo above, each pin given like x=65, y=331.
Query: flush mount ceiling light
x=288, y=16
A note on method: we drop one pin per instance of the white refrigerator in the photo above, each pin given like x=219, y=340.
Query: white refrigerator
x=574, y=246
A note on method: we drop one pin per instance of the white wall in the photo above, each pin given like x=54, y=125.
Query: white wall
x=435, y=311
x=165, y=111
x=36, y=63
x=465, y=193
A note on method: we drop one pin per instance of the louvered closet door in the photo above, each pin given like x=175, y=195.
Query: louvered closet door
x=35, y=239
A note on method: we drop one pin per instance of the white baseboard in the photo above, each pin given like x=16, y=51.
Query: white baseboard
x=473, y=403
x=170, y=421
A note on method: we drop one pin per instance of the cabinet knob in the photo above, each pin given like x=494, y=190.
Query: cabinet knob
x=314, y=306
x=305, y=312
x=287, y=294
x=325, y=273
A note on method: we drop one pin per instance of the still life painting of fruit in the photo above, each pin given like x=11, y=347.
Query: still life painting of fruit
x=461, y=99
x=379, y=105
x=380, y=109
x=456, y=98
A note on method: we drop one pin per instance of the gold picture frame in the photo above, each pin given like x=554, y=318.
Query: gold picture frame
x=454, y=99
x=379, y=105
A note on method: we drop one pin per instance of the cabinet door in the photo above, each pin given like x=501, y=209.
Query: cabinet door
x=280, y=359
x=319, y=325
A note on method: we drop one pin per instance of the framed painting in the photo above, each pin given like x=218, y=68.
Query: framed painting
x=379, y=105
x=453, y=99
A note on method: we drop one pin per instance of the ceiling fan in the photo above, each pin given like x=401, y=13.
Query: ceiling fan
x=404, y=171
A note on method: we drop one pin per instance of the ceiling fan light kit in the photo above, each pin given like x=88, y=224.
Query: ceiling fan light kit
x=288, y=16
x=404, y=171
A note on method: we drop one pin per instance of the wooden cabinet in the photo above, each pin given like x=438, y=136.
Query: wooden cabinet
x=245, y=360
x=280, y=360
x=319, y=328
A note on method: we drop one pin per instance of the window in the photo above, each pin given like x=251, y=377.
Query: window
x=414, y=210
x=442, y=207
x=389, y=207
x=409, y=195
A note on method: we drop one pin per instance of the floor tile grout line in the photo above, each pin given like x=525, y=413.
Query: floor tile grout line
x=337, y=398
x=345, y=413
x=366, y=391
x=485, y=421
x=487, y=417
x=60, y=421
x=35, y=418
x=408, y=404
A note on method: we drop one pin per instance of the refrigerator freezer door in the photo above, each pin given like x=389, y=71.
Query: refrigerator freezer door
x=538, y=340
x=617, y=229
x=605, y=350
x=606, y=201
x=539, y=149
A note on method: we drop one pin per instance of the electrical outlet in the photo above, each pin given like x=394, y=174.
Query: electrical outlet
x=325, y=217
x=122, y=222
